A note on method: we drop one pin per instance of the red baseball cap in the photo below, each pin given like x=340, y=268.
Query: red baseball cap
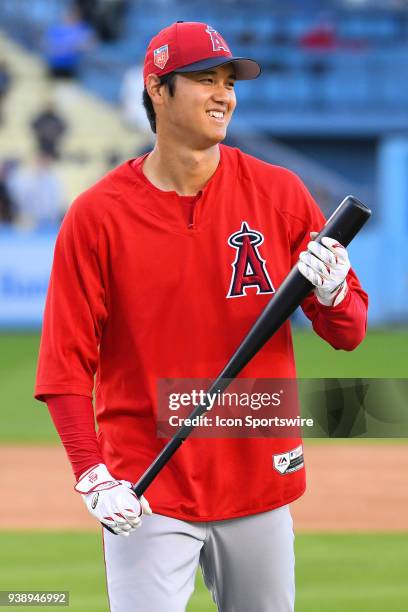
x=189, y=46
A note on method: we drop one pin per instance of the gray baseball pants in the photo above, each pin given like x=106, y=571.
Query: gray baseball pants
x=247, y=563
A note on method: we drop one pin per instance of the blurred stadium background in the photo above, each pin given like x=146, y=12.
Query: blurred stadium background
x=331, y=104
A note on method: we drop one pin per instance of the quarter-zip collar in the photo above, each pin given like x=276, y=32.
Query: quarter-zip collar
x=190, y=213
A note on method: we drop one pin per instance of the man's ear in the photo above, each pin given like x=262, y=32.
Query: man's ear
x=154, y=88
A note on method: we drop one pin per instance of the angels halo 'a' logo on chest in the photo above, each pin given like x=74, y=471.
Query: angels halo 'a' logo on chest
x=248, y=268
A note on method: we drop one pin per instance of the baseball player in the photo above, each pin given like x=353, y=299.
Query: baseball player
x=157, y=274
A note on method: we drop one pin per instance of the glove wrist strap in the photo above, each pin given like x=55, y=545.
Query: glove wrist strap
x=335, y=297
x=96, y=478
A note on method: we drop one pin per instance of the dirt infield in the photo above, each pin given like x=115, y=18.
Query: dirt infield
x=350, y=487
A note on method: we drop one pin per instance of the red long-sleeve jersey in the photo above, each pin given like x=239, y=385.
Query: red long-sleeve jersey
x=148, y=284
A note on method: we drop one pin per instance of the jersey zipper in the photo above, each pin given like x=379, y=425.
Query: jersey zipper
x=191, y=220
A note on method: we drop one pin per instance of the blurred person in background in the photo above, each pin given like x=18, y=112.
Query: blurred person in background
x=85, y=9
x=65, y=44
x=105, y=16
x=5, y=82
x=322, y=37
x=108, y=18
x=48, y=128
x=37, y=193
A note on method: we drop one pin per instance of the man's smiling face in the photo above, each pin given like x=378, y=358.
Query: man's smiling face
x=202, y=106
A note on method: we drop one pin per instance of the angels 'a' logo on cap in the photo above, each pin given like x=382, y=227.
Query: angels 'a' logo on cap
x=217, y=40
x=161, y=56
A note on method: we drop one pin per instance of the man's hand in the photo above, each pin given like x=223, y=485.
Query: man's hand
x=326, y=266
x=111, y=501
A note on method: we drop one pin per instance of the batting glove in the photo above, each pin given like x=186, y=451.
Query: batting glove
x=326, y=266
x=112, y=501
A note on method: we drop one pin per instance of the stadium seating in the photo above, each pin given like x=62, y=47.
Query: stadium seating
x=87, y=149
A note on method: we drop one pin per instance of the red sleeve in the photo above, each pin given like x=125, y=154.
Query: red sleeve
x=73, y=418
x=75, y=308
x=342, y=326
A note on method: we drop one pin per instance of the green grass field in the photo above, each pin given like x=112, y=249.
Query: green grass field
x=383, y=354
x=335, y=572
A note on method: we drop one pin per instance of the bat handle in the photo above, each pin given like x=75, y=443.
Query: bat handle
x=218, y=385
x=162, y=458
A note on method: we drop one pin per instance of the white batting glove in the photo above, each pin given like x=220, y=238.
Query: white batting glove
x=112, y=501
x=326, y=266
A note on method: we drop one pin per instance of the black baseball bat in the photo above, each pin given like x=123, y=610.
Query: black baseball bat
x=343, y=225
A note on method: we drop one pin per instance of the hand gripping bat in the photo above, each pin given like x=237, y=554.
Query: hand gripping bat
x=343, y=225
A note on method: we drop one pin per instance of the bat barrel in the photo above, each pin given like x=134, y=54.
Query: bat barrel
x=346, y=221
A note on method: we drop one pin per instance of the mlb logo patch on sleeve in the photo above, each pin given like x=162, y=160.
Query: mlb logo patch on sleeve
x=285, y=463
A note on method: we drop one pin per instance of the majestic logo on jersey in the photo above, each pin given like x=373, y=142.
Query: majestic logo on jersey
x=218, y=43
x=249, y=268
x=289, y=462
x=161, y=56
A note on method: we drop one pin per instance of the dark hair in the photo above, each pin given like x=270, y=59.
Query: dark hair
x=170, y=81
